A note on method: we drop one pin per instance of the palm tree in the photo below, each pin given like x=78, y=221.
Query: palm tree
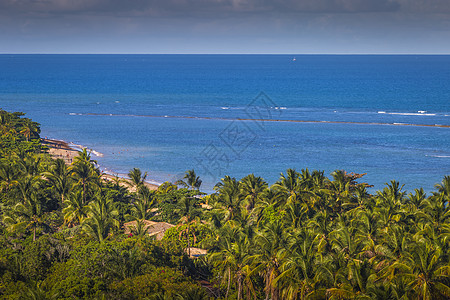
x=342, y=241
x=125, y=264
x=426, y=271
x=59, y=177
x=417, y=200
x=318, y=180
x=231, y=259
x=269, y=255
x=392, y=195
x=166, y=187
x=101, y=218
x=271, y=198
x=8, y=176
x=340, y=189
x=29, y=129
x=299, y=266
x=37, y=290
x=27, y=216
x=252, y=189
x=367, y=234
x=75, y=211
x=189, y=213
x=27, y=184
x=84, y=173
x=192, y=180
x=229, y=196
x=444, y=186
x=437, y=210
x=7, y=124
x=84, y=157
x=323, y=225
x=288, y=184
x=389, y=205
x=141, y=207
x=140, y=229
x=137, y=178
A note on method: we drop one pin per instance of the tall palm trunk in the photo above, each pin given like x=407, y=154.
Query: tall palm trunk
x=229, y=283
x=239, y=287
x=84, y=192
x=189, y=240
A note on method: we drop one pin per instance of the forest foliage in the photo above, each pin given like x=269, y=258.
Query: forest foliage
x=305, y=237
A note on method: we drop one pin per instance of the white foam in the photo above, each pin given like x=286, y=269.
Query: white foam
x=225, y=108
x=81, y=147
x=96, y=153
x=439, y=156
x=419, y=113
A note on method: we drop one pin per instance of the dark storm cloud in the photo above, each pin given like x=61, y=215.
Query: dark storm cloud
x=220, y=26
x=175, y=7
x=217, y=7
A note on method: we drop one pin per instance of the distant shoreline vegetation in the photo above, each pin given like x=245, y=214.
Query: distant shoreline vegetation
x=70, y=233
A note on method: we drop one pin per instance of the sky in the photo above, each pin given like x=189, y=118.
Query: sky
x=225, y=26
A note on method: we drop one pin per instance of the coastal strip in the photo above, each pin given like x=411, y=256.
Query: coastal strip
x=63, y=150
x=267, y=120
x=60, y=149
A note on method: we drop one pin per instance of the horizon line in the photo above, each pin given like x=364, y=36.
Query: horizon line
x=200, y=53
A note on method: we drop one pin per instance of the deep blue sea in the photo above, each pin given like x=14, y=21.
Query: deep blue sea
x=169, y=113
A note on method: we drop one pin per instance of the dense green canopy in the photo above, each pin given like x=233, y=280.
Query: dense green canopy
x=305, y=237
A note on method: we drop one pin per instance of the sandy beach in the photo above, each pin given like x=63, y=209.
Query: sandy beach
x=62, y=150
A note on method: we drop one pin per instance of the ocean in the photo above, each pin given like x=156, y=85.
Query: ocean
x=384, y=115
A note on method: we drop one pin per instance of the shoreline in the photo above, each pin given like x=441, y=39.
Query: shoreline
x=68, y=151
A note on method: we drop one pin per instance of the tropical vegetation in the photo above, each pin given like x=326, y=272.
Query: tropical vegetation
x=306, y=236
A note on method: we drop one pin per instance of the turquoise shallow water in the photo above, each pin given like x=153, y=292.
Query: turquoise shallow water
x=169, y=113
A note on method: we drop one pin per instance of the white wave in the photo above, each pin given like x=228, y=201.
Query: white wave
x=439, y=156
x=81, y=147
x=420, y=113
x=96, y=153
x=153, y=182
x=117, y=101
x=225, y=108
x=74, y=114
